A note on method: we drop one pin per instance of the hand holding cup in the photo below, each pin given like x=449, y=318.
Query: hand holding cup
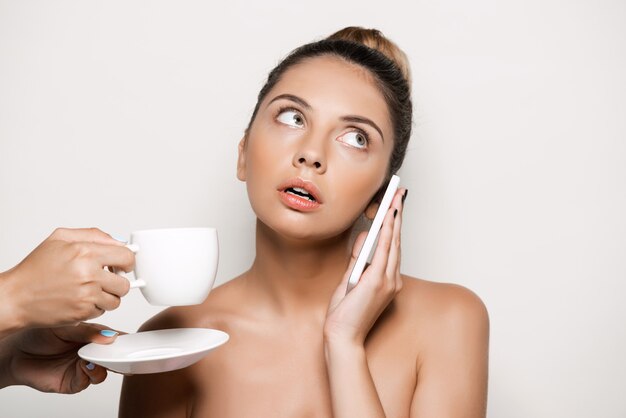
x=63, y=281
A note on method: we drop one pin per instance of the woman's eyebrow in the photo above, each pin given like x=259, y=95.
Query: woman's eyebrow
x=293, y=98
x=361, y=119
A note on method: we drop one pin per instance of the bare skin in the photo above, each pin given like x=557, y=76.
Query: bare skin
x=44, y=299
x=46, y=359
x=395, y=346
x=62, y=281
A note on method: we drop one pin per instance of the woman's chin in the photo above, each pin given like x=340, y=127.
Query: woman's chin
x=299, y=233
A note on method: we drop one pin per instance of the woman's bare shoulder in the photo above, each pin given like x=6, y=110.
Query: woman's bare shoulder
x=450, y=334
x=434, y=304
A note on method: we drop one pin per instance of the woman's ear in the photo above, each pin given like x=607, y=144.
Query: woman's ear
x=370, y=210
x=241, y=160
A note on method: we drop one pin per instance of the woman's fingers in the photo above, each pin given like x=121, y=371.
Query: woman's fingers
x=79, y=378
x=94, y=235
x=107, y=301
x=114, y=284
x=399, y=275
x=86, y=333
x=393, y=264
x=85, y=374
x=358, y=244
x=385, y=266
x=113, y=255
x=381, y=253
x=386, y=259
x=96, y=374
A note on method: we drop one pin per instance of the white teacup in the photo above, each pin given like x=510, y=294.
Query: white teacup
x=175, y=267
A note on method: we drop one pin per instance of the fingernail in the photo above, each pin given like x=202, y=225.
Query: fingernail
x=406, y=192
x=395, y=212
x=90, y=366
x=108, y=333
x=120, y=239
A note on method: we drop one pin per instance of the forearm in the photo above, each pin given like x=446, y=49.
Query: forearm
x=353, y=393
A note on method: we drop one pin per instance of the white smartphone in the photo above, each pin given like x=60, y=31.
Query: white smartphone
x=370, y=239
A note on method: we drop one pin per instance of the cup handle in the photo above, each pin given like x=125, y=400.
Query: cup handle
x=137, y=282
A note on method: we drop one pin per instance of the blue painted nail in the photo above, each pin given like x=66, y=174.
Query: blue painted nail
x=120, y=239
x=90, y=366
x=108, y=333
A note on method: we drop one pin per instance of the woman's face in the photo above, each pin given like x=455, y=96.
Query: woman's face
x=318, y=149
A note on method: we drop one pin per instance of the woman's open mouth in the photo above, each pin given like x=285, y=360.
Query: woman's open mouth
x=299, y=194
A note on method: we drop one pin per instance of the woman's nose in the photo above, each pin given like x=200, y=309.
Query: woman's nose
x=311, y=154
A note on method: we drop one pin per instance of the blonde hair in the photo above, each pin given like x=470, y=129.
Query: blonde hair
x=373, y=38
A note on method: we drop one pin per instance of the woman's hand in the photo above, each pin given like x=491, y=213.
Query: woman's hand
x=46, y=359
x=63, y=281
x=350, y=317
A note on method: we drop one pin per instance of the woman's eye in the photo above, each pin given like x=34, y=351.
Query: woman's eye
x=355, y=139
x=291, y=117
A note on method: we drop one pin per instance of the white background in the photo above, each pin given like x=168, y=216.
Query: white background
x=126, y=115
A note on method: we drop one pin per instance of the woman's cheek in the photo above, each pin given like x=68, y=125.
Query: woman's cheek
x=351, y=155
x=364, y=169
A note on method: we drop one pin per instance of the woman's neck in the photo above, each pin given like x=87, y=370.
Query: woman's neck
x=298, y=277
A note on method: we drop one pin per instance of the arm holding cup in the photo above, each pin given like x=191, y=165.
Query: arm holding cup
x=63, y=281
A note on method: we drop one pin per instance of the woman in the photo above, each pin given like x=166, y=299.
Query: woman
x=329, y=129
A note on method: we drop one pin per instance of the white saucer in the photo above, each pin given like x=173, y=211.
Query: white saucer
x=154, y=351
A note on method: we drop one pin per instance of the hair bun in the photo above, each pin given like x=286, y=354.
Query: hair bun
x=374, y=39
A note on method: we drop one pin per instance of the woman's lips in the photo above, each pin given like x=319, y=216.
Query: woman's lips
x=300, y=194
x=299, y=203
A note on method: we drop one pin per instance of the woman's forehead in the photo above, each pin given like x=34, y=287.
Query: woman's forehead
x=333, y=84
